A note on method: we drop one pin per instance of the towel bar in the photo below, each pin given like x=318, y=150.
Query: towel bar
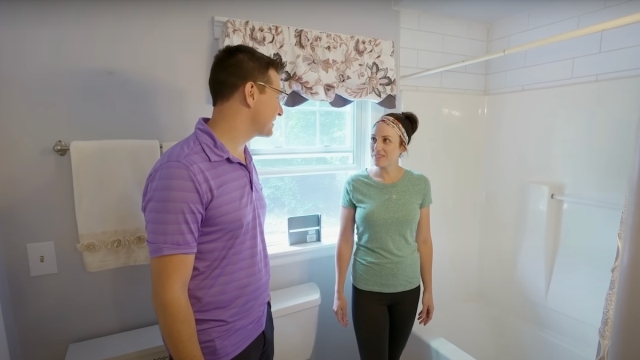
x=61, y=148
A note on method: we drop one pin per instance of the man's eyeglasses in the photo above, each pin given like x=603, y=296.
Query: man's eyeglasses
x=282, y=96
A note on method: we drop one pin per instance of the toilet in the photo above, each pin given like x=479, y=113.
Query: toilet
x=295, y=318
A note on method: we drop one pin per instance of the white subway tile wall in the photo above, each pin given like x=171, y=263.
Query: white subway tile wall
x=410, y=19
x=610, y=13
x=541, y=73
x=509, y=26
x=478, y=31
x=408, y=57
x=496, y=81
x=430, y=40
x=507, y=62
x=574, y=48
x=619, y=75
x=430, y=81
x=431, y=59
x=562, y=10
x=561, y=83
x=456, y=80
x=504, y=90
x=622, y=37
x=462, y=46
x=414, y=39
x=607, y=62
x=614, y=2
x=443, y=25
x=543, y=32
x=477, y=68
x=497, y=45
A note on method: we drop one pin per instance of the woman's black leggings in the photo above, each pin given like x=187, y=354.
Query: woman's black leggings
x=383, y=322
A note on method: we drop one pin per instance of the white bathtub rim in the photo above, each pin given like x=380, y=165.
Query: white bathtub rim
x=561, y=341
x=515, y=312
x=429, y=334
x=444, y=347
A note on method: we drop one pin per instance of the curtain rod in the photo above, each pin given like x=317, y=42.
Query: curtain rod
x=626, y=20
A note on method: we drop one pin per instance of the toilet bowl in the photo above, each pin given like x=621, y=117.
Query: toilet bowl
x=295, y=318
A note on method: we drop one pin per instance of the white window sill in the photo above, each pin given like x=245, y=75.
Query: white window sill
x=286, y=254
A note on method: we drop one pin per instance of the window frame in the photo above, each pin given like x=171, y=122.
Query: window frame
x=362, y=119
x=365, y=113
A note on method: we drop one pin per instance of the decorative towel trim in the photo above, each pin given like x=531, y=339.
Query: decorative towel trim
x=117, y=243
x=112, y=249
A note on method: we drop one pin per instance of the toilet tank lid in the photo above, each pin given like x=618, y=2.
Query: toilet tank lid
x=294, y=299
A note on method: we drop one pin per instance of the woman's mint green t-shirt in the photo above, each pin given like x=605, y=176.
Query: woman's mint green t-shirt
x=386, y=258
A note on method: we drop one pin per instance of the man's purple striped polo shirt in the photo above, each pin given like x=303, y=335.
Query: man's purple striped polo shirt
x=199, y=199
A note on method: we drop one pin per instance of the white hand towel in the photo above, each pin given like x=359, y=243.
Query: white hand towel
x=108, y=180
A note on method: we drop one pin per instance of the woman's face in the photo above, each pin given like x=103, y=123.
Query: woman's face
x=386, y=146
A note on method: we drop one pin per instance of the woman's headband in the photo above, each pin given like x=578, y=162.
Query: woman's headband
x=395, y=125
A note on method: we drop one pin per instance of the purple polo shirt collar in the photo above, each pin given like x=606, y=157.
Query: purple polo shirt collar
x=212, y=146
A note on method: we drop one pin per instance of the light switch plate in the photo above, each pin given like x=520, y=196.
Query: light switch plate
x=42, y=258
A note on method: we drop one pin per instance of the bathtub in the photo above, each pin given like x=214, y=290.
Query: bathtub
x=475, y=331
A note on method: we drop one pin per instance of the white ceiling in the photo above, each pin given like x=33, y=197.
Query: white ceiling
x=479, y=10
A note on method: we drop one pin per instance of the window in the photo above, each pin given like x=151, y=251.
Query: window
x=304, y=164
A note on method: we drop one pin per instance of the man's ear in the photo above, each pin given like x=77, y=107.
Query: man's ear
x=250, y=93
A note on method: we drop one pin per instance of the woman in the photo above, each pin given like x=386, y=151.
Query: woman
x=390, y=207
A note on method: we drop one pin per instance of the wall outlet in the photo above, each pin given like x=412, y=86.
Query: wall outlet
x=42, y=258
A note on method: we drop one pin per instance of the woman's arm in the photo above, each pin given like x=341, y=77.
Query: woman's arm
x=344, y=250
x=425, y=248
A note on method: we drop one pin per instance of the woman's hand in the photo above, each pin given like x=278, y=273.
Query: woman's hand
x=426, y=314
x=340, y=309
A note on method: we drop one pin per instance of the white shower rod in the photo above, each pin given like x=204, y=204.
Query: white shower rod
x=587, y=202
x=626, y=20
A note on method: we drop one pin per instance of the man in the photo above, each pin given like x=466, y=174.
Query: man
x=205, y=211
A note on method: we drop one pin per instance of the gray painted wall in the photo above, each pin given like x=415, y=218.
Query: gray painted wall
x=108, y=70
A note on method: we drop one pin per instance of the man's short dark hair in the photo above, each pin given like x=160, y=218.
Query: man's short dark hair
x=234, y=66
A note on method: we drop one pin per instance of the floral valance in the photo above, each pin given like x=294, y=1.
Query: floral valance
x=323, y=66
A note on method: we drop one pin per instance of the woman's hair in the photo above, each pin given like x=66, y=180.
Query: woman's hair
x=408, y=120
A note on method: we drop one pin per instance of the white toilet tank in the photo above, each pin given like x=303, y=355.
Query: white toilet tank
x=295, y=318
